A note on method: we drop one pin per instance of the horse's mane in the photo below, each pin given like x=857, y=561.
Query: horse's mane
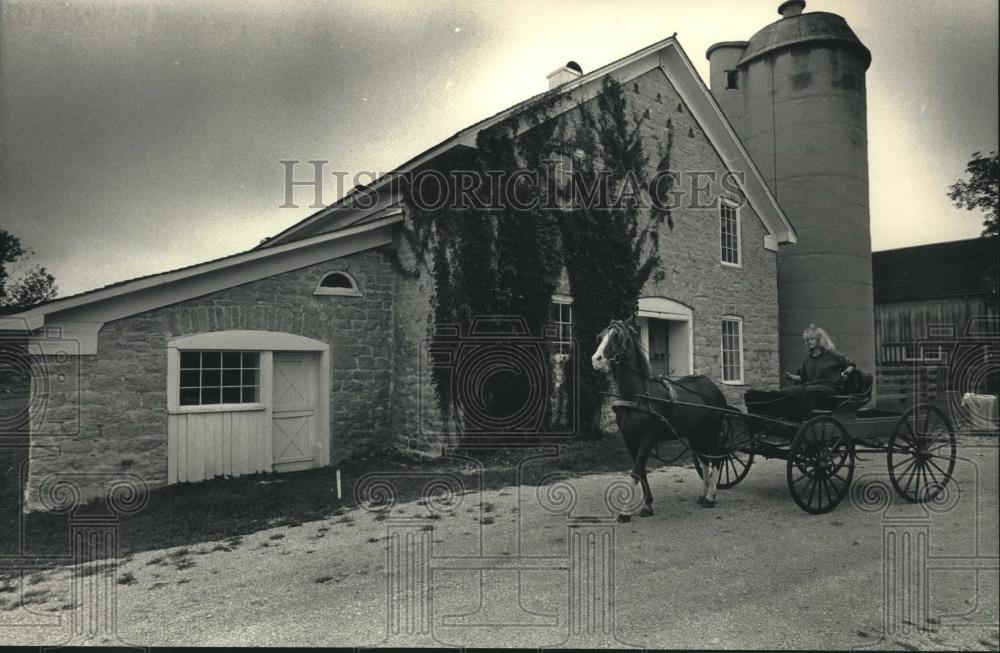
x=633, y=347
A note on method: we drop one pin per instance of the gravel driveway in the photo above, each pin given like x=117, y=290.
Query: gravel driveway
x=512, y=567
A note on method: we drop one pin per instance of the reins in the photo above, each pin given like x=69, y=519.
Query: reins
x=660, y=378
x=619, y=359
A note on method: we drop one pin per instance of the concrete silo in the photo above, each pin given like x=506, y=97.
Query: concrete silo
x=795, y=94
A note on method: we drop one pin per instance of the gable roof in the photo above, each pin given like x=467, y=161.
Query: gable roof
x=953, y=269
x=118, y=300
x=306, y=240
x=670, y=57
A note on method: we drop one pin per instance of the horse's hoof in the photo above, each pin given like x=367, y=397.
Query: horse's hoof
x=707, y=504
x=624, y=519
x=646, y=512
x=635, y=478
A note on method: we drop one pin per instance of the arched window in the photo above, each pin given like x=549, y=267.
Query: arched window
x=337, y=283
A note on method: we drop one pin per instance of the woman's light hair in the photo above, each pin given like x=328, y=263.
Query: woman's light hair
x=825, y=343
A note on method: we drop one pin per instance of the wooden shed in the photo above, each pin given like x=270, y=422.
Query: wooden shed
x=936, y=320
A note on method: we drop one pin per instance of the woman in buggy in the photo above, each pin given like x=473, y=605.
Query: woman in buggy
x=823, y=373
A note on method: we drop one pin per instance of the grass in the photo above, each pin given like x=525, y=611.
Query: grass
x=182, y=516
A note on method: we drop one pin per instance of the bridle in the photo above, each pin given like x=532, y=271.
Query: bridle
x=624, y=331
x=617, y=359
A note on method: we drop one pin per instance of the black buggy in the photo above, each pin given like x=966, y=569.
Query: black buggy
x=919, y=446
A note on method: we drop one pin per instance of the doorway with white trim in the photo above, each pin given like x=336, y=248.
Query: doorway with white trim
x=665, y=327
x=294, y=408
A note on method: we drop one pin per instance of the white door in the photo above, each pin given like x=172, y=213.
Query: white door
x=296, y=377
x=668, y=343
x=659, y=348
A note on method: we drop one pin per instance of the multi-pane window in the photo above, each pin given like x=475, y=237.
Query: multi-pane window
x=561, y=315
x=219, y=377
x=732, y=350
x=730, y=231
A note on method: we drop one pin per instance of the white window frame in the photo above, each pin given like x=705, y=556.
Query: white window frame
x=722, y=348
x=353, y=291
x=723, y=204
x=563, y=346
x=265, y=342
x=222, y=406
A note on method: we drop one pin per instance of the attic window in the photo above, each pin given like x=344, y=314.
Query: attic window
x=337, y=283
x=732, y=79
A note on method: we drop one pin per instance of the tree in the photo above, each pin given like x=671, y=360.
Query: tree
x=980, y=191
x=22, y=283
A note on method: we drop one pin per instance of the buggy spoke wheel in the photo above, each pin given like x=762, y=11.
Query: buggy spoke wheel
x=820, y=465
x=921, y=453
x=735, y=466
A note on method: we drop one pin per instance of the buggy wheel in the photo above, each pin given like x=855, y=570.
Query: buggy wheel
x=736, y=465
x=820, y=465
x=921, y=454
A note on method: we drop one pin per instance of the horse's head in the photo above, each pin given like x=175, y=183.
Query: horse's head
x=617, y=345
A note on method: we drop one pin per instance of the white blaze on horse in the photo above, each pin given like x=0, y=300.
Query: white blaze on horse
x=644, y=422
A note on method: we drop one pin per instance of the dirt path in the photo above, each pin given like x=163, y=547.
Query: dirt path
x=511, y=568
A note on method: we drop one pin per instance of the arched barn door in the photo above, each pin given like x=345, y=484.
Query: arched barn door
x=241, y=402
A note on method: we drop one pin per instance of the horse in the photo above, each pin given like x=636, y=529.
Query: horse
x=643, y=423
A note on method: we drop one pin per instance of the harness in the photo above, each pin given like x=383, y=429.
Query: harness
x=642, y=405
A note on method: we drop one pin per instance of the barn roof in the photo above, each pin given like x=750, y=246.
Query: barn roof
x=669, y=56
x=346, y=229
x=953, y=269
x=94, y=307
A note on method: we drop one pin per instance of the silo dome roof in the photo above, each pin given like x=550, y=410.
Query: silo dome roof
x=815, y=26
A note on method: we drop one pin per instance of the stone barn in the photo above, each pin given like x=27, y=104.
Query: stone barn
x=307, y=349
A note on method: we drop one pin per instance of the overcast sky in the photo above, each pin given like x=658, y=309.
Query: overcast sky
x=143, y=136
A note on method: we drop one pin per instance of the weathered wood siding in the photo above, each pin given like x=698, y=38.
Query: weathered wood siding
x=908, y=335
x=205, y=445
x=909, y=322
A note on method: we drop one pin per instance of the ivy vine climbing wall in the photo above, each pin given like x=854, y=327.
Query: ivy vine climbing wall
x=502, y=255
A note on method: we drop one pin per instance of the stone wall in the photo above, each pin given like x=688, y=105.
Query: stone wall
x=416, y=418
x=112, y=417
x=693, y=272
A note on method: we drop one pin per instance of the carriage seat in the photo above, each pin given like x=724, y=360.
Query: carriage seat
x=857, y=392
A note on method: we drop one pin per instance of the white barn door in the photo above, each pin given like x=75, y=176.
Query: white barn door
x=295, y=402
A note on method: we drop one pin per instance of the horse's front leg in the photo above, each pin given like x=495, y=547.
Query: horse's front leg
x=633, y=451
x=640, y=457
x=647, y=497
x=638, y=474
